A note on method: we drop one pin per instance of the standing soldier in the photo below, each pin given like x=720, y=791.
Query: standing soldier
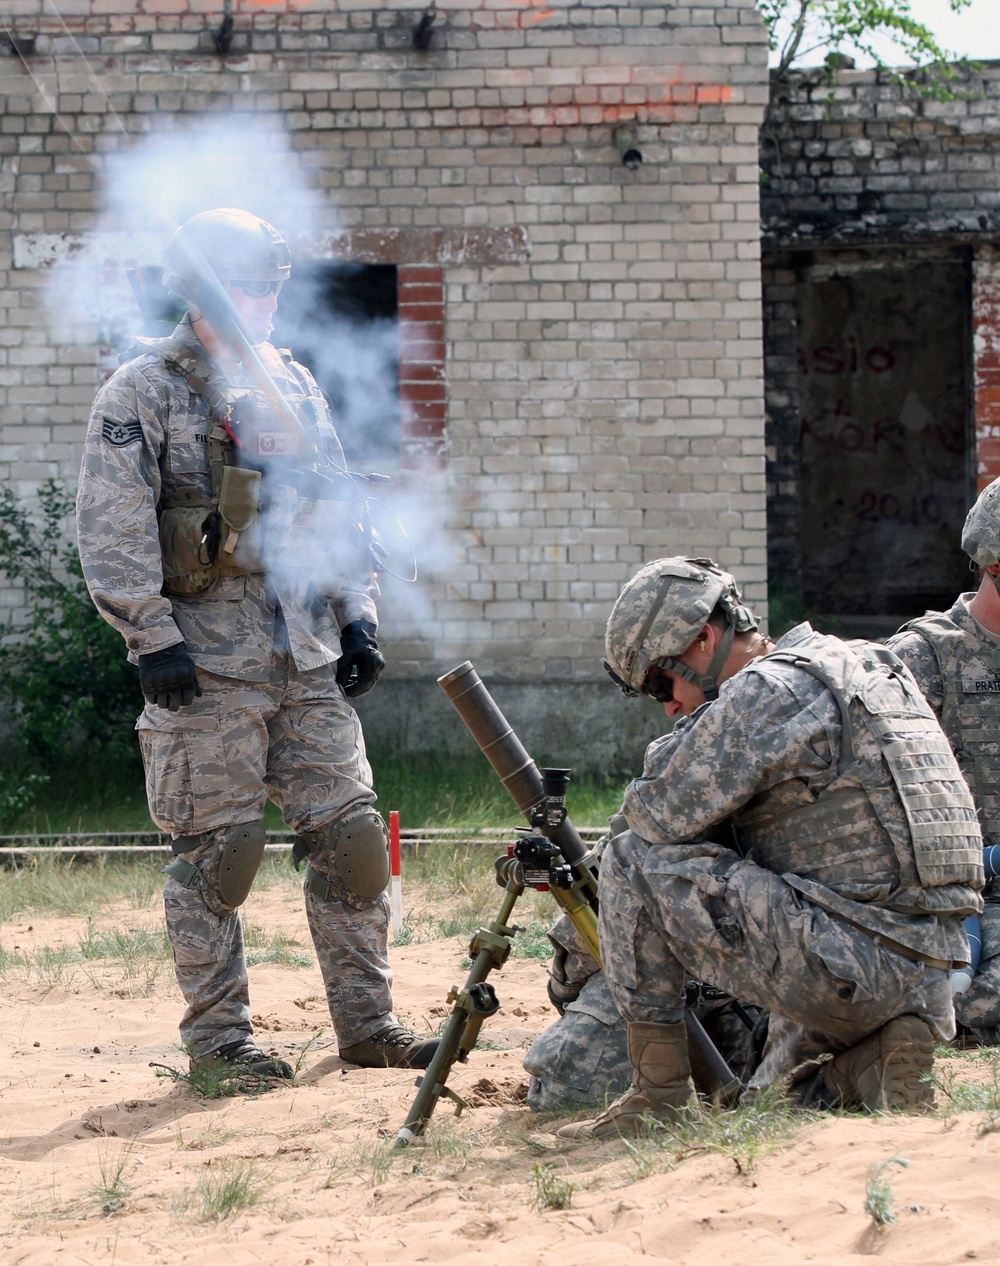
x=224, y=551
x=803, y=840
x=955, y=657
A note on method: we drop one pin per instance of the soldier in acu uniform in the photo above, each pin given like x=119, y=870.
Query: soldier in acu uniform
x=803, y=840
x=955, y=657
x=234, y=566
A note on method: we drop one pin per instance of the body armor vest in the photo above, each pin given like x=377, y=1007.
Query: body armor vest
x=204, y=537
x=897, y=826
x=970, y=715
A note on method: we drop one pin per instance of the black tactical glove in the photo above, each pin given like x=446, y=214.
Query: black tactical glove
x=361, y=662
x=167, y=677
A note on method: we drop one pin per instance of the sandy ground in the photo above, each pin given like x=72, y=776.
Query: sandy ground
x=82, y=1111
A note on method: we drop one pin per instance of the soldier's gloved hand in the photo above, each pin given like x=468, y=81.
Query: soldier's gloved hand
x=168, y=678
x=361, y=662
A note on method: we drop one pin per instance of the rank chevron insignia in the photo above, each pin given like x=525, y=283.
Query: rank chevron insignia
x=121, y=433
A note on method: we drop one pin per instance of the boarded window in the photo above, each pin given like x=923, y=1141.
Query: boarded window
x=884, y=430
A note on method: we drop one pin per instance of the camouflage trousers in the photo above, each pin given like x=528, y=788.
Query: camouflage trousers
x=979, y=1007
x=582, y=1058
x=674, y=912
x=211, y=766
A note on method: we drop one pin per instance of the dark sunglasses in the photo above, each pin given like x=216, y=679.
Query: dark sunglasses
x=258, y=289
x=657, y=685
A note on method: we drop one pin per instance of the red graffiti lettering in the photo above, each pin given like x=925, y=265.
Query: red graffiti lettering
x=830, y=361
x=850, y=437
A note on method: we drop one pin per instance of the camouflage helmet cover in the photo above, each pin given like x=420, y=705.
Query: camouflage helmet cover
x=236, y=245
x=981, y=534
x=661, y=611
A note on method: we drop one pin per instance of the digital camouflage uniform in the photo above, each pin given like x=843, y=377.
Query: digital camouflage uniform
x=956, y=663
x=581, y=1060
x=842, y=909
x=271, y=720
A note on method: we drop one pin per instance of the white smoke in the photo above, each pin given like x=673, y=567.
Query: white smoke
x=161, y=180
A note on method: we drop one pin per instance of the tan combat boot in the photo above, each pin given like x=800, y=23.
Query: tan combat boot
x=661, y=1085
x=887, y=1070
x=394, y=1047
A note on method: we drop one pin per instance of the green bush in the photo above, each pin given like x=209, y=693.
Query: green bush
x=64, y=678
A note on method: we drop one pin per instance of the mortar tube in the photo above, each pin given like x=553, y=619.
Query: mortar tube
x=503, y=749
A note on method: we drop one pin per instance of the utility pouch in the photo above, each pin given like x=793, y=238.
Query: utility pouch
x=239, y=497
x=188, y=541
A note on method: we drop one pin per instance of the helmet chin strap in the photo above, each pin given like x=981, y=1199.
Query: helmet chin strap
x=709, y=683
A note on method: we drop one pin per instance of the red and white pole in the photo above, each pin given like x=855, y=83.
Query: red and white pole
x=396, y=870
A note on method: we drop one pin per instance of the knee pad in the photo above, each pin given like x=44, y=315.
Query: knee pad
x=354, y=851
x=231, y=867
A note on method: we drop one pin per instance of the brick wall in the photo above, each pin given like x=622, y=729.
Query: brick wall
x=581, y=343
x=868, y=159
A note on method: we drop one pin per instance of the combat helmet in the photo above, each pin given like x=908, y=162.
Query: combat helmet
x=236, y=245
x=981, y=534
x=661, y=611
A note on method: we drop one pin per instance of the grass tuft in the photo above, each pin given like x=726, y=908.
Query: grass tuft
x=112, y=1192
x=879, y=1196
x=374, y=1158
x=227, y=1189
x=551, y=1191
x=744, y=1134
x=219, y=1080
x=971, y=1084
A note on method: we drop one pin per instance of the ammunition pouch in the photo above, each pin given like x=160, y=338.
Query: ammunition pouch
x=348, y=860
x=189, y=542
x=239, y=497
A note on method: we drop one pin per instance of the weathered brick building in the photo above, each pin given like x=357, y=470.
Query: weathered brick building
x=579, y=341
x=881, y=222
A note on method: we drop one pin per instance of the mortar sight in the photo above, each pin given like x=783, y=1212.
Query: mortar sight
x=555, y=782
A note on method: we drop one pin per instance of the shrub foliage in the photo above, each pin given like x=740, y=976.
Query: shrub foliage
x=64, y=677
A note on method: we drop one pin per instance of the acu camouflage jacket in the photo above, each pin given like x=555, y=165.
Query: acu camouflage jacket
x=770, y=757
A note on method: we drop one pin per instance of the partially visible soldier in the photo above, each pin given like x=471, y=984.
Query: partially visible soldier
x=581, y=1060
x=854, y=853
x=955, y=657
x=245, y=594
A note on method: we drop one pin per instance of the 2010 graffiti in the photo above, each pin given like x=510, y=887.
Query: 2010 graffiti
x=875, y=507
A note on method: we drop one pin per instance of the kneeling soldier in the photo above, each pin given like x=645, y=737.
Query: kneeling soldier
x=835, y=901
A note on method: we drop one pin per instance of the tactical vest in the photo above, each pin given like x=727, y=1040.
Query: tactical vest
x=897, y=824
x=203, y=538
x=970, y=715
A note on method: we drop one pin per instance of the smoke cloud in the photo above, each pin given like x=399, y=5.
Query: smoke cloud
x=350, y=343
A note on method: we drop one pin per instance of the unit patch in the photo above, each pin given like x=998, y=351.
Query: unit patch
x=121, y=433
x=275, y=444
